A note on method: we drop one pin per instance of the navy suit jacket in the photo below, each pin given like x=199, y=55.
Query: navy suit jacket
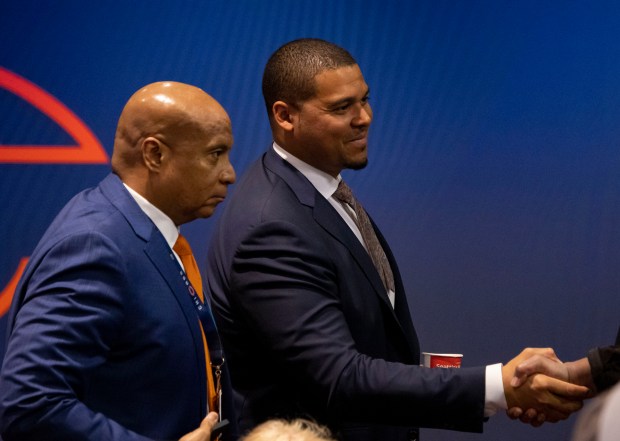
x=104, y=342
x=308, y=326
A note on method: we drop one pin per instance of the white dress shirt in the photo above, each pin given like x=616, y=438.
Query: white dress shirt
x=163, y=223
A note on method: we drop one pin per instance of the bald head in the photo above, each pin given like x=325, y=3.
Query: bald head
x=164, y=110
x=171, y=146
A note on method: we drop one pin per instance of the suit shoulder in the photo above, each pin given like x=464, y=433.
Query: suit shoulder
x=87, y=214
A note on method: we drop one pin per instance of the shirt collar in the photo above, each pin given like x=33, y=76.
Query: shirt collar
x=323, y=182
x=163, y=223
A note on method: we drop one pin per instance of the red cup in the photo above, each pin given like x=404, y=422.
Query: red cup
x=434, y=360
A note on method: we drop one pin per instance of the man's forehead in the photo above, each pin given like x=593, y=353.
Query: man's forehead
x=340, y=83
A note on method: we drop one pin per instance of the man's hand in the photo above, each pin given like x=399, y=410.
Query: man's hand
x=546, y=398
x=543, y=362
x=576, y=372
x=203, y=433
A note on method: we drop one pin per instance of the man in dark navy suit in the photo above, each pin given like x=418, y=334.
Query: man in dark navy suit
x=307, y=294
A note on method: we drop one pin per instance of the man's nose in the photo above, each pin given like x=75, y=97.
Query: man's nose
x=364, y=117
x=228, y=175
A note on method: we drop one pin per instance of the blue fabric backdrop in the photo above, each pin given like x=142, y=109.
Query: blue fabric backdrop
x=494, y=159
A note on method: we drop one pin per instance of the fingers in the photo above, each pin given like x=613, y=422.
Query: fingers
x=519, y=378
x=557, y=399
x=536, y=420
x=554, y=399
x=514, y=413
x=539, y=364
x=543, y=352
x=528, y=353
x=531, y=416
x=203, y=433
x=543, y=388
x=560, y=388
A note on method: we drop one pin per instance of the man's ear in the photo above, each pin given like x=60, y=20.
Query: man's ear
x=284, y=115
x=152, y=153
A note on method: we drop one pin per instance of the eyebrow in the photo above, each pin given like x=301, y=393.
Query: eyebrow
x=349, y=99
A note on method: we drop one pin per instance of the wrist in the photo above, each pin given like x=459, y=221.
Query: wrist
x=579, y=372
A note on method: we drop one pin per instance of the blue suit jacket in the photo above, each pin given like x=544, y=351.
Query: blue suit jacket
x=104, y=343
x=308, y=326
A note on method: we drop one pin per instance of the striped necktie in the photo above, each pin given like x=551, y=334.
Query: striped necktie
x=344, y=194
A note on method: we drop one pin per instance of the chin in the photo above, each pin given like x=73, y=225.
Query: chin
x=206, y=212
x=357, y=165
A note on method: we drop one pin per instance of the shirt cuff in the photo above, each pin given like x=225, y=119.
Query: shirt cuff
x=495, y=399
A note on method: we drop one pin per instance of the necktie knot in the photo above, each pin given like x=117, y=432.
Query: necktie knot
x=181, y=247
x=344, y=194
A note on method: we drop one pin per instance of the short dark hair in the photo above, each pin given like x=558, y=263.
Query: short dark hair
x=290, y=71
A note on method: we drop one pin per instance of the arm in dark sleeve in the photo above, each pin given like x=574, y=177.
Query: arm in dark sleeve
x=605, y=366
x=285, y=284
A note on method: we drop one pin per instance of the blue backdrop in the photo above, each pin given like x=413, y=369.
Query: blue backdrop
x=494, y=159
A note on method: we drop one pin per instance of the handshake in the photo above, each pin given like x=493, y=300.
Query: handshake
x=539, y=387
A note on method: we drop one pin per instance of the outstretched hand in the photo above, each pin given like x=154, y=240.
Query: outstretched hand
x=544, y=362
x=545, y=398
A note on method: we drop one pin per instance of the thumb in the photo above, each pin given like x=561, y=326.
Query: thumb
x=521, y=373
x=210, y=419
x=567, y=390
x=518, y=380
x=203, y=433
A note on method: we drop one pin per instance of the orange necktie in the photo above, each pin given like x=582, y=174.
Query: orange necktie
x=182, y=248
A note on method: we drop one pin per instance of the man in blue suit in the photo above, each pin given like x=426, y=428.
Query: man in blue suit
x=310, y=324
x=105, y=342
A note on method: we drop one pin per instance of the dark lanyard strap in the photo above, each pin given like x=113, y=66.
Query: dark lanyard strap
x=214, y=344
x=208, y=326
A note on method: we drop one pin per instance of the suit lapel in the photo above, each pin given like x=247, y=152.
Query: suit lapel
x=327, y=217
x=330, y=220
x=160, y=254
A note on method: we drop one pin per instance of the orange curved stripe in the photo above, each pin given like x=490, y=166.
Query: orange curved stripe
x=7, y=293
x=88, y=149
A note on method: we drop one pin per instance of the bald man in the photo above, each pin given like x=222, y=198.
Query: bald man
x=105, y=341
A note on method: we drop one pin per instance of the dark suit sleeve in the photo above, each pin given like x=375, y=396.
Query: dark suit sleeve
x=285, y=285
x=605, y=366
x=64, y=327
